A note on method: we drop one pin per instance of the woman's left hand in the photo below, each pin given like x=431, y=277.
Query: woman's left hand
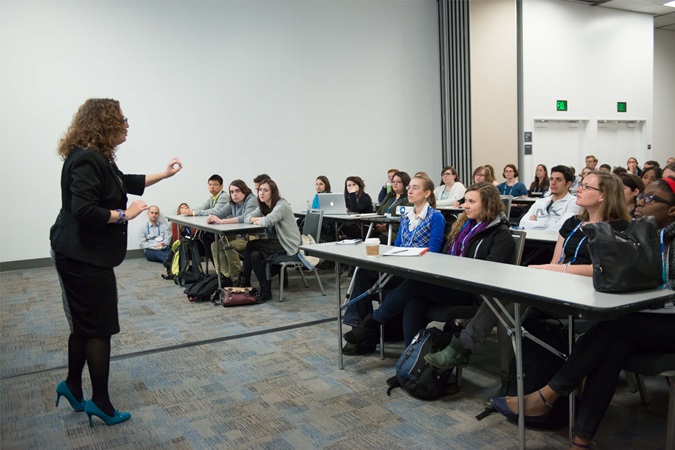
x=256, y=220
x=551, y=267
x=174, y=167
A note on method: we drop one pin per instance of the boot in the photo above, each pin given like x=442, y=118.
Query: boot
x=265, y=293
x=361, y=333
x=451, y=356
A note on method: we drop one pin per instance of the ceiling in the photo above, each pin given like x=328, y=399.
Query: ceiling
x=664, y=16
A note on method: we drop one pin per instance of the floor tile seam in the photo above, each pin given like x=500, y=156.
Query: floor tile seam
x=184, y=345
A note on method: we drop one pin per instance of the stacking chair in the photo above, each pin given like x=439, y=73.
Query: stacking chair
x=311, y=227
x=506, y=201
x=662, y=364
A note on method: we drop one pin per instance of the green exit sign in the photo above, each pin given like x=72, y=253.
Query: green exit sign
x=561, y=105
x=621, y=107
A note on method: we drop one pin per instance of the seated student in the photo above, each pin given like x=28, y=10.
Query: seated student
x=322, y=187
x=155, y=237
x=632, y=187
x=386, y=187
x=633, y=167
x=511, y=186
x=389, y=205
x=481, y=232
x=549, y=213
x=650, y=175
x=283, y=237
x=180, y=231
x=599, y=354
x=217, y=200
x=490, y=175
x=242, y=203
x=480, y=174
x=669, y=170
x=259, y=179
x=649, y=164
x=605, y=167
x=355, y=196
x=541, y=181
x=601, y=199
x=591, y=162
x=451, y=189
x=422, y=227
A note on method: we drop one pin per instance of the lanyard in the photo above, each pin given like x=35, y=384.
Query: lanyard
x=149, y=233
x=664, y=262
x=392, y=204
x=510, y=190
x=576, y=252
x=465, y=237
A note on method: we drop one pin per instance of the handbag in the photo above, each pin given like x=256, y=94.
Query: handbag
x=625, y=261
x=237, y=296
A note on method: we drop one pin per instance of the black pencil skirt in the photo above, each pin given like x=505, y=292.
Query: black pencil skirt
x=90, y=297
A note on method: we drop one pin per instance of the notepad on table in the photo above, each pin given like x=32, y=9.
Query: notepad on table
x=406, y=251
x=349, y=242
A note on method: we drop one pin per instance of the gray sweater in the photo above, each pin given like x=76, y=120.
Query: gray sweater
x=230, y=209
x=281, y=218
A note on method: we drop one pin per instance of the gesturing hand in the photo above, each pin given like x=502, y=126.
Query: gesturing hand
x=174, y=167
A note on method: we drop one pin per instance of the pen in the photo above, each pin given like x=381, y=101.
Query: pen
x=397, y=252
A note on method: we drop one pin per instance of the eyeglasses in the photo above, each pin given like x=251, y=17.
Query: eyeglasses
x=585, y=187
x=649, y=198
x=480, y=175
x=447, y=173
x=413, y=187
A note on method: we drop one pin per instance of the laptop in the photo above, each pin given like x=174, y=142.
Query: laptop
x=333, y=204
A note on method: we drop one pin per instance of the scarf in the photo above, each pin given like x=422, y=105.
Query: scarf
x=470, y=228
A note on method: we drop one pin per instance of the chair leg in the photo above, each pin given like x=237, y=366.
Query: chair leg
x=282, y=274
x=632, y=382
x=318, y=280
x=459, y=376
x=644, y=397
x=302, y=275
x=382, y=341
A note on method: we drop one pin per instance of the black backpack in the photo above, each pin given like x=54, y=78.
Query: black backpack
x=202, y=290
x=414, y=374
x=189, y=269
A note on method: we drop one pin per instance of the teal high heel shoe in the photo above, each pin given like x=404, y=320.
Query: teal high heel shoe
x=62, y=389
x=92, y=410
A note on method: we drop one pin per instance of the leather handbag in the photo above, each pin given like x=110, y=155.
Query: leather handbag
x=237, y=296
x=625, y=261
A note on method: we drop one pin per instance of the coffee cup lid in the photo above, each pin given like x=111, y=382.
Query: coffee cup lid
x=372, y=241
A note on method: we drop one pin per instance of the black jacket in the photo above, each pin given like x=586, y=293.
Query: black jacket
x=91, y=186
x=494, y=243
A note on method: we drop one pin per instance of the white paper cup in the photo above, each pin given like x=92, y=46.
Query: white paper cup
x=372, y=247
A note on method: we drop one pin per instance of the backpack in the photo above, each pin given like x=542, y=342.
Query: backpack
x=203, y=289
x=185, y=266
x=417, y=377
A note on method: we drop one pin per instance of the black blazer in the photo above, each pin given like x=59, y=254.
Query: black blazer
x=91, y=186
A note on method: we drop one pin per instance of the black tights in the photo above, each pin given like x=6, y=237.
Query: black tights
x=95, y=351
x=254, y=262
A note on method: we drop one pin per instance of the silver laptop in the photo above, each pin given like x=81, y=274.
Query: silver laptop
x=333, y=204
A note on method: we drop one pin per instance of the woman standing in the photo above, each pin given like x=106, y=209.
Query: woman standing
x=541, y=181
x=88, y=239
x=511, y=186
x=283, y=237
x=450, y=189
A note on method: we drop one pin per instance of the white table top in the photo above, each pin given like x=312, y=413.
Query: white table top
x=199, y=222
x=565, y=293
x=542, y=236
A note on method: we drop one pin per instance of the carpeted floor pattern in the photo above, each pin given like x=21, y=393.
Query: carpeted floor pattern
x=198, y=376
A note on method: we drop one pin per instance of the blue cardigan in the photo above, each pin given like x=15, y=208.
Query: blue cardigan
x=428, y=233
x=516, y=190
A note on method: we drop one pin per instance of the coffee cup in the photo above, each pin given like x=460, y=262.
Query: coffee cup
x=372, y=246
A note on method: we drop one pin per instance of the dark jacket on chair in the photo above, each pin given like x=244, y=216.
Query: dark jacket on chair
x=494, y=243
x=91, y=186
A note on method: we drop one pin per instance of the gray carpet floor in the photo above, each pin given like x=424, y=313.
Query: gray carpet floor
x=198, y=376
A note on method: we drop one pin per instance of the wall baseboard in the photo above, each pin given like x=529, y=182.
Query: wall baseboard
x=47, y=262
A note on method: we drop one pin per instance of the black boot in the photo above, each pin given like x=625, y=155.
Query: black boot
x=361, y=333
x=265, y=292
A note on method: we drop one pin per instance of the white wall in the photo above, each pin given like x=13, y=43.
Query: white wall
x=292, y=88
x=664, y=100
x=592, y=57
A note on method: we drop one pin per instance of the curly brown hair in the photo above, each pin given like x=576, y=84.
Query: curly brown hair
x=95, y=126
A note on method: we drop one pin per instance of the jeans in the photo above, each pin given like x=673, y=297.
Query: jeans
x=598, y=356
x=157, y=255
x=364, y=280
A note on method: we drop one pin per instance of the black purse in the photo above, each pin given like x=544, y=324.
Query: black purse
x=625, y=261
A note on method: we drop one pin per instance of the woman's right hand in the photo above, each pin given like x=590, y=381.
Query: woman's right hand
x=213, y=219
x=137, y=207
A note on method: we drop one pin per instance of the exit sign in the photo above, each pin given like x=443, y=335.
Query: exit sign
x=561, y=105
x=621, y=107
